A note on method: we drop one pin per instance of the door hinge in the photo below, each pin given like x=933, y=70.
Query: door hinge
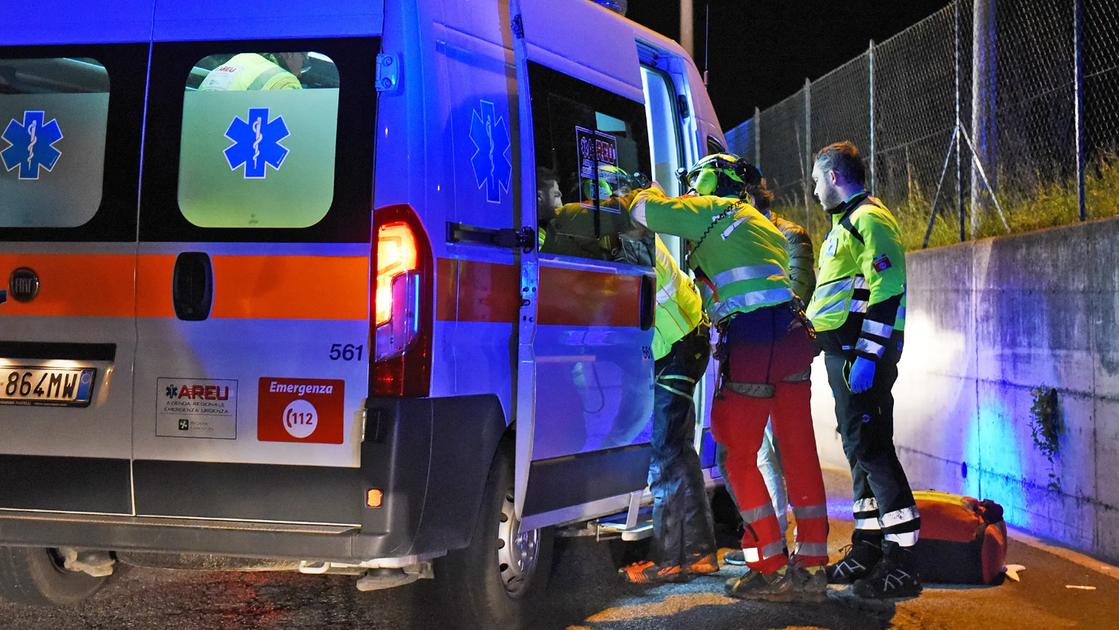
x=518, y=27
x=388, y=73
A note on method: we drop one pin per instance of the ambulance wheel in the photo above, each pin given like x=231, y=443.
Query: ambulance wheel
x=498, y=581
x=36, y=575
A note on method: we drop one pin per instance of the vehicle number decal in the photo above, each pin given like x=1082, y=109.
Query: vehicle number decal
x=346, y=352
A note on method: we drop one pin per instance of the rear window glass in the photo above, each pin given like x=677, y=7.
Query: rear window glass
x=258, y=140
x=53, y=117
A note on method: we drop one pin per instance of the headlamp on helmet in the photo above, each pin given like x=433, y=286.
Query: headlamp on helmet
x=721, y=175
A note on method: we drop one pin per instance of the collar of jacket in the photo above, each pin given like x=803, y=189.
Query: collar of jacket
x=854, y=201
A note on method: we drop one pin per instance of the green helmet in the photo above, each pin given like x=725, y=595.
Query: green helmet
x=721, y=175
x=611, y=181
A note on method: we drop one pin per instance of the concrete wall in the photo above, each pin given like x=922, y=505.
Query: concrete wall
x=987, y=321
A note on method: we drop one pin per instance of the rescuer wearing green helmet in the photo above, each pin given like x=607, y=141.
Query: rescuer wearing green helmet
x=858, y=311
x=765, y=353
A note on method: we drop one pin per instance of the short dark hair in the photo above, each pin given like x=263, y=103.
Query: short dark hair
x=544, y=174
x=844, y=158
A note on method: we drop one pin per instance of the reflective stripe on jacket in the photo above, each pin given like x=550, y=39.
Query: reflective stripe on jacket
x=739, y=251
x=679, y=307
x=247, y=72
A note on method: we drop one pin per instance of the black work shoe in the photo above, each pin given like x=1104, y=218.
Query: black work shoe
x=894, y=577
x=861, y=556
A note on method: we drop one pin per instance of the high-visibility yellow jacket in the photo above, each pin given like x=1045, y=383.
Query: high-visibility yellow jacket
x=679, y=306
x=859, y=300
x=249, y=71
x=739, y=252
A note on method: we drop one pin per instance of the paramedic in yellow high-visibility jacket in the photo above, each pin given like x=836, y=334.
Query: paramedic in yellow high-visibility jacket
x=858, y=311
x=257, y=71
x=682, y=528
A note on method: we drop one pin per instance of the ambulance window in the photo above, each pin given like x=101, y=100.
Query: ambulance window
x=53, y=119
x=592, y=149
x=258, y=140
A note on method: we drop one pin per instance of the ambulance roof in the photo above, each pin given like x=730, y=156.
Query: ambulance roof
x=120, y=21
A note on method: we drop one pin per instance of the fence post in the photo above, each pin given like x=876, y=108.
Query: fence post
x=870, y=88
x=1078, y=83
x=959, y=161
x=807, y=153
x=757, y=135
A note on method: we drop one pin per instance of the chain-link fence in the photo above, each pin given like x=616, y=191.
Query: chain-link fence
x=987, y=117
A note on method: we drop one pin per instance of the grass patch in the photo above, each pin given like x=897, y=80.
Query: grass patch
x=1050, y=204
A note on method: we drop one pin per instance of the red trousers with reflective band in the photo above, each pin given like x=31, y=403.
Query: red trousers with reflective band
x=767, y=347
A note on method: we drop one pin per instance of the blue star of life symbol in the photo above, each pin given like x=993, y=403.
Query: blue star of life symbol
x=256, y=143
x=31, y=144
x=490, y=161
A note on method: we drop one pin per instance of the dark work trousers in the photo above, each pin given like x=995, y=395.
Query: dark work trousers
x=882, y=497
x=681, y=514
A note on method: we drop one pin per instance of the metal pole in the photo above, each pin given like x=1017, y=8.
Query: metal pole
x=1078, y=82
x=807, y=154
x=687, y=28
x=870, y=89
x=757, y=136
x=959, y=161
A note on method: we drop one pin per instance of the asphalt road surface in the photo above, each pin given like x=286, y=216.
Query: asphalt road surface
x=585, y=592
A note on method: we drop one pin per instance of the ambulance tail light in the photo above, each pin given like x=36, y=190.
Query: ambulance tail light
x=401, y=309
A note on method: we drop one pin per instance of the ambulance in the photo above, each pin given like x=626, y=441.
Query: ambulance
x=278, y=291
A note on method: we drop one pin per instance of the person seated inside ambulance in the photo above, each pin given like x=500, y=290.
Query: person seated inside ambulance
x=258, y=71
x=575, y=231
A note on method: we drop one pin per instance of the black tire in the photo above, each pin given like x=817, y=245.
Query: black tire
x=492, y=584
x=35, y=575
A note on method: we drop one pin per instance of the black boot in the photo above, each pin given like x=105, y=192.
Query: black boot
x=894, y=577
x=862, y=555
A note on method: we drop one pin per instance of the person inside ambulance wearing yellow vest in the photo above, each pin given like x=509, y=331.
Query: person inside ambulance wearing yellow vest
x=858, y=311
x=683, y=536
x=257, y=71
x=765, y=347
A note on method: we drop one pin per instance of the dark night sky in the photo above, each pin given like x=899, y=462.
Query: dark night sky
x=762, y=50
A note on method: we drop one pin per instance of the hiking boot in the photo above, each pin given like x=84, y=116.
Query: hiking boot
x=649, y=572
x=787, y=585
x=809, y=584
x=774, y=587
x=735, y=558
x=894, y=577
x=859, y=558
x=702, y=564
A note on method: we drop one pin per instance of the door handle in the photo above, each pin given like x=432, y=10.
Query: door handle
x=192, y=286
x=648, y=301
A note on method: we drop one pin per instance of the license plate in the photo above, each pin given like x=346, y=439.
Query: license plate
x=46, y=386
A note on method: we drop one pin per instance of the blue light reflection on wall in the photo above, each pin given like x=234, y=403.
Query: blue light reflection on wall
x=996, y=468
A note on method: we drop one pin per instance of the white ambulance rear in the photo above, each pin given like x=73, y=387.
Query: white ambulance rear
x=333, y=328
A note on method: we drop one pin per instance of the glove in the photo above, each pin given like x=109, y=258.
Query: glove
x=862, y=375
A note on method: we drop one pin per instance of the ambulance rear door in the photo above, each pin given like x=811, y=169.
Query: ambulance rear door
x=585, y=362
x=253, y=288
x=69, y=172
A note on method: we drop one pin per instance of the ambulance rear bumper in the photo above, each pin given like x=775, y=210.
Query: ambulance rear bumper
x=429, y=458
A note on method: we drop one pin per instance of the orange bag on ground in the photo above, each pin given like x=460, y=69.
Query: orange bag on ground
x=962, y=540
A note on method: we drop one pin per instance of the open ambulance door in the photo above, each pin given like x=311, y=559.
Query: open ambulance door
x=585, y=366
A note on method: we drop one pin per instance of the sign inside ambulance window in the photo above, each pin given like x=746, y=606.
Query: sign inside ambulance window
x=258, y=140
x=53, y=121
x=300, y=410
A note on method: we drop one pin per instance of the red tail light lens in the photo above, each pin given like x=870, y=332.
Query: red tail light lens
x=401, y=309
